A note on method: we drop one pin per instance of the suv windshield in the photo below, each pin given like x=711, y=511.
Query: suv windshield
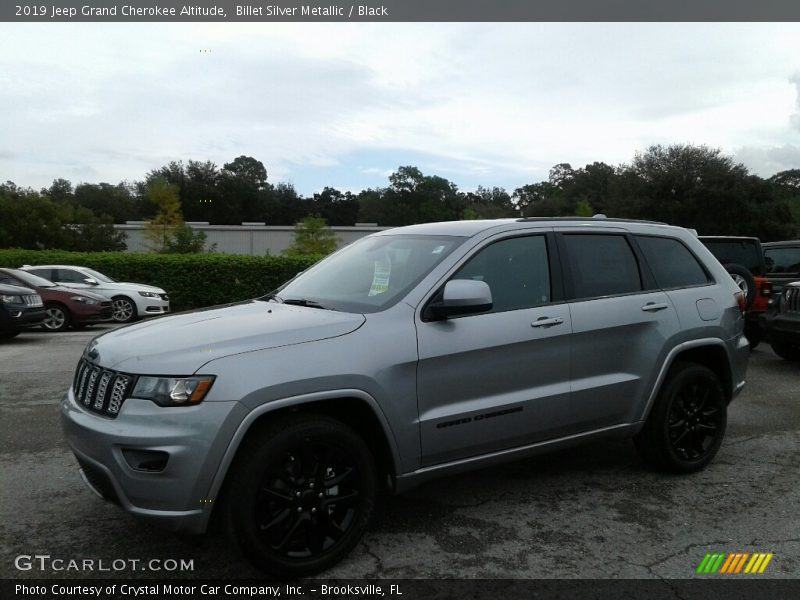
x=746, y=253
x=370, y=274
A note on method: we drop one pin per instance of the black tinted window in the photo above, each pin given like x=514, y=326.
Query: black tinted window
x=516, y=270
x=48, y=274
x=671, y=262
x=746, y=253
x=70, y=276
x=602, y=265
x=782, y=260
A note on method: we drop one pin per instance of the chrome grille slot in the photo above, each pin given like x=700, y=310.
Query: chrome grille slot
x=101, y=390
x=87, y=399
x=793, y=300
x=118, y=393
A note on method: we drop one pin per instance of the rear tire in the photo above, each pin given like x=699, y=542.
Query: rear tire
x=686, y=425
x=300, y=495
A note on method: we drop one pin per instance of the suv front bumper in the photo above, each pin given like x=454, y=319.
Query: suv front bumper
x=781, y=327
x=192, y=439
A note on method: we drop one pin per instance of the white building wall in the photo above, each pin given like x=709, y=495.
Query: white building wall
x=254, y=240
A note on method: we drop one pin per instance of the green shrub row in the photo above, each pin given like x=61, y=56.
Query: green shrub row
x=192, y=280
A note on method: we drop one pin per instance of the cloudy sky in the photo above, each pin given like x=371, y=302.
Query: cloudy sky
x=346, y=104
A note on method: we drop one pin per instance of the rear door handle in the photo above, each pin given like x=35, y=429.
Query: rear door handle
x=547, y=322
x=654, y=307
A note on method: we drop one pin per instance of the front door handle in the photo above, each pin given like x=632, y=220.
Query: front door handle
x=654, y=307
x=547, y=322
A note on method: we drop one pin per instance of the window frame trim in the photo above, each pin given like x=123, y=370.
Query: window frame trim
x=557, y=289
x=646, y=279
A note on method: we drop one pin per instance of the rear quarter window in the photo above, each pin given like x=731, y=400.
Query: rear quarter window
x=672, y=264
x=783, y=259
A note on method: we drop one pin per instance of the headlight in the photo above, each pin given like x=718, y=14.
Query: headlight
x=10, y=299
x=83, y=300
x=149, y=294
x=173, y=391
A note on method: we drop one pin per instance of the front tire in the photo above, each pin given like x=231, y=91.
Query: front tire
x=58, y=318
x=687, y=423
x=301, y=495
x=124, y=310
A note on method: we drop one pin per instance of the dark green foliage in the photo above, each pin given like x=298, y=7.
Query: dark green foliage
x=185, y=240
x=192, y=280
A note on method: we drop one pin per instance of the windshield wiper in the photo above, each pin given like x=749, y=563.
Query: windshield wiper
x=271, y=298
x=305, y=302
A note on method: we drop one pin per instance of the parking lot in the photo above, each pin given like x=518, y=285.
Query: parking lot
x=593, y=511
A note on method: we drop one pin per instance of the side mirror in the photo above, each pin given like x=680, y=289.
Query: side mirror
x=461, y=297
x=91, y=281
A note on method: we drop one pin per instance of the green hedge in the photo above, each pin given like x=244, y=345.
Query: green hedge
x=192, y=280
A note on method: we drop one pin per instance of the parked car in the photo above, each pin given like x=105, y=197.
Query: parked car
x=413, y=353
x=20, y=308
x=783, y=263
x=781, y=322
x=65, y=307
x=743, y=258
x=130, y=301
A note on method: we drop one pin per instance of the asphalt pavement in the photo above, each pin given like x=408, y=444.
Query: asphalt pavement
x=591, y=512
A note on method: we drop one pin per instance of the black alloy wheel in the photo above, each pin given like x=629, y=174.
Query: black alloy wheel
x=301, y=495
x=694, y=420
x=308, y=499
x=687, y=422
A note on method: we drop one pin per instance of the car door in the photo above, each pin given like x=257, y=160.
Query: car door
x=497, y=379
x=621, y=323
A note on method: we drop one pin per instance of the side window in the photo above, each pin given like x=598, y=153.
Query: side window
x=517, y=271
x=671, y=262
x=783, y=260
x=48, y=274
x=69, y=276
x=7, y=279
x=602, y=265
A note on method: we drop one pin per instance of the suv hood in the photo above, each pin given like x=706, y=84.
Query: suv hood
x=180, y=344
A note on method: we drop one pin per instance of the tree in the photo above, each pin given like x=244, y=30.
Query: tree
x=248, y=169
x=185, y=240
x=312, y=236
x=161, y=228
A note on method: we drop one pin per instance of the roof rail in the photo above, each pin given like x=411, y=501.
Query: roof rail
x=595, y=218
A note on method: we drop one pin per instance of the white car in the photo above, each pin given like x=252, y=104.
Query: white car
x=130, y=300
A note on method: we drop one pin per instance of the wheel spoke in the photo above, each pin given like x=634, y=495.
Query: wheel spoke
x=290, y=534
x=276, y=494
x=282, y=516
x=343, y=499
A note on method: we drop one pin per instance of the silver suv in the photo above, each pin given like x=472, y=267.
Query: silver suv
x=410, y=354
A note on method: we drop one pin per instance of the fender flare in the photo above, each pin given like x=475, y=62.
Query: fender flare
x=250, y=418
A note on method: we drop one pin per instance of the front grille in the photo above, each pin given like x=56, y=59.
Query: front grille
x=792, y=299
x=33, y=300
x=101, y=390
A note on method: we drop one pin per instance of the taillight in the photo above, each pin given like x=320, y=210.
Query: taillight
x=766, y=289
x=741, y=301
